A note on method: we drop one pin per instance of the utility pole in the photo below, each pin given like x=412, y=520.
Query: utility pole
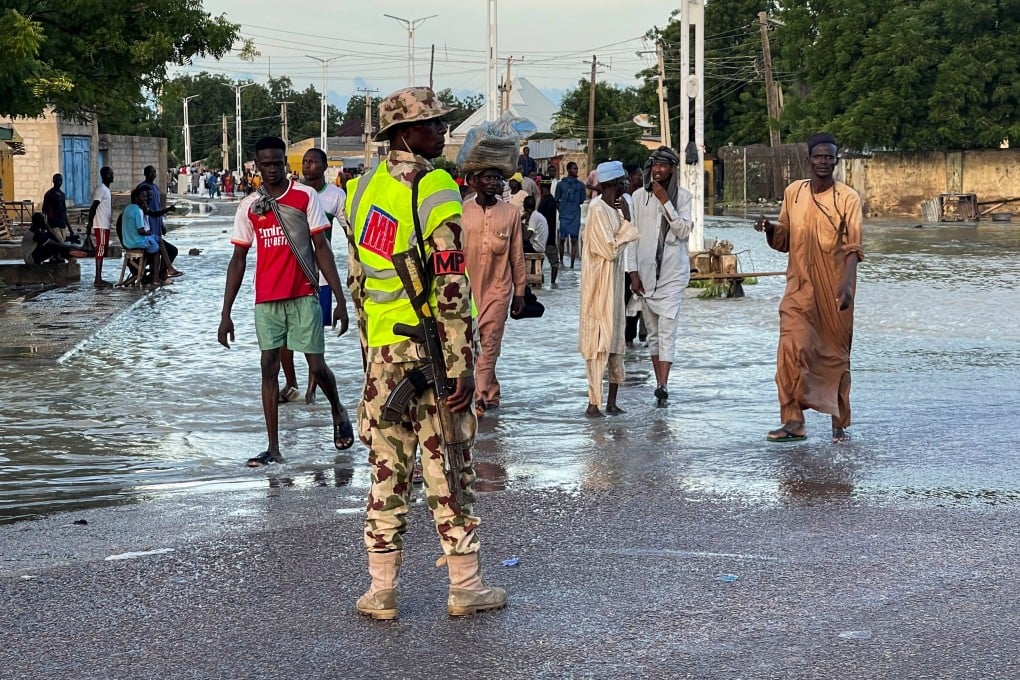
x=367, y=134
x=772, y=102
x=237, y=122
x=664, y=132
x=187, y=132
x=504, y=96
x=284, y=129
x=410, y=25
x=692, y=93
x=324, y=108
x=595, y=63
x=224, y=148
x=491, y=64
x=432, y=64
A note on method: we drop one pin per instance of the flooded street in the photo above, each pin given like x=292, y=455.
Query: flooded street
x=150, y=404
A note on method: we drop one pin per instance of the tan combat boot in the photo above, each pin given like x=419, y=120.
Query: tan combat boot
x=380, y=602
x=469, y=593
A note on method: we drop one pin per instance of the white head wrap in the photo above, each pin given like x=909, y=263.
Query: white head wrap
x=608, y=171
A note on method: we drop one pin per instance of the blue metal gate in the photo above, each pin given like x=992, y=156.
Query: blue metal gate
x=78, y=169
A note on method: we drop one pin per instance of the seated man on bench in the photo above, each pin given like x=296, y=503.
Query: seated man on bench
x=136, y=235
x=40, y=244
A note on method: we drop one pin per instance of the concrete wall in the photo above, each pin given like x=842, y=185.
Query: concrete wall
x=992, y=174
x=128, y=156
x=890, y=182
x=896, y=183
x=33, y=172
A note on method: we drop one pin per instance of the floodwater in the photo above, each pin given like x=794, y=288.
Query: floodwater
x=150, y=404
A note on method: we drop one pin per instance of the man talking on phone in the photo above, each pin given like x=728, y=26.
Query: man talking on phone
x=658, y=261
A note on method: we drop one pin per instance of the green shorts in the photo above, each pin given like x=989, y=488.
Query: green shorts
x=294, y=323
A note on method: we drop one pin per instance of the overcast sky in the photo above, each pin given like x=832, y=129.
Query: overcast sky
x=554, y=38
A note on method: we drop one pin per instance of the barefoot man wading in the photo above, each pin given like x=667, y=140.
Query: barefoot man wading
x=600, y=339
x=820, y=227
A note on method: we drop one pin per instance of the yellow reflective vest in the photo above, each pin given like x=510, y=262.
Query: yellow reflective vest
x=379, y=211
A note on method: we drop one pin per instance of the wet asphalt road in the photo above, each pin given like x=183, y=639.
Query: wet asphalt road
x=262, y=585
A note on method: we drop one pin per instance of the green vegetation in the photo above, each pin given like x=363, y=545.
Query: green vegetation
x=88, y=57
x=260, y=111
x=898, y=74
x=902, y=74
x=615, y=135
x=717, y=288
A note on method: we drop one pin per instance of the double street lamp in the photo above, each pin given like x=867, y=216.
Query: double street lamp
x=410, y=25
x=323, y=114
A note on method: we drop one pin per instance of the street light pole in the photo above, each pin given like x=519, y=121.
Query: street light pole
x=237, y=125
x=410, y=25
x=324, y=109
x=491, y=65
x=187, y=132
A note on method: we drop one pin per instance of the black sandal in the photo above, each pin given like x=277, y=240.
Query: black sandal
x=264, y=459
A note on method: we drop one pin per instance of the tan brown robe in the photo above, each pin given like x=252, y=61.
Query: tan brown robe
x=819, y=231
x=494, y=251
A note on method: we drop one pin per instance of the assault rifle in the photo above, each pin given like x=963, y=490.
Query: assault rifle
x=413, y=276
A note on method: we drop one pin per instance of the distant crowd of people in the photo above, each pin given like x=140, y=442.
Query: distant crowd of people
x=203, y=182
x=197, y=180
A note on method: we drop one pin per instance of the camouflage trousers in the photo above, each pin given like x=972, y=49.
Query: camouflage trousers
x=392, y=447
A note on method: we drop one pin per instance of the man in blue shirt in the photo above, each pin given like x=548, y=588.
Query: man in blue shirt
x=570, y=195
x=525, y=163
x=155, y=211
x=135, y=233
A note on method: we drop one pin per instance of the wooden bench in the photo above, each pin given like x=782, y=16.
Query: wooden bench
x=533, y=267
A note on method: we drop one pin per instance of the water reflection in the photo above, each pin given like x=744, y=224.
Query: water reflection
x=150, y=404
x=808, y=475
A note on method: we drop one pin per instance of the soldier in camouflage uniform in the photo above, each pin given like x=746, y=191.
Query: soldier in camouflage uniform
x=379, y=215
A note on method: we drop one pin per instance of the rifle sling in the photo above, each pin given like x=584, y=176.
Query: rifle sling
x=426, y=264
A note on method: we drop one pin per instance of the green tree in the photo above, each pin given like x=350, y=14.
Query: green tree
x=89, y=57
x=462, y=108
x=260, y=114
x=735, y=111
x=940, y=74
x=356, y=108
x=213, y=98
x=614, y=133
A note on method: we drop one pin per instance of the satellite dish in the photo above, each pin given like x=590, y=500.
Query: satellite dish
x=641, y=120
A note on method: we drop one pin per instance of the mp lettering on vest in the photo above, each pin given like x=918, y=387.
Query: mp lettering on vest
x=380, y=233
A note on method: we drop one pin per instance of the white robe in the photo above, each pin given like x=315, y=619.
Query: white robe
x=602, y=320
x=663, y=293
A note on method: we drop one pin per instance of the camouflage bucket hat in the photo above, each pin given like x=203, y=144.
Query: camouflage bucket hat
x=410, y=105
